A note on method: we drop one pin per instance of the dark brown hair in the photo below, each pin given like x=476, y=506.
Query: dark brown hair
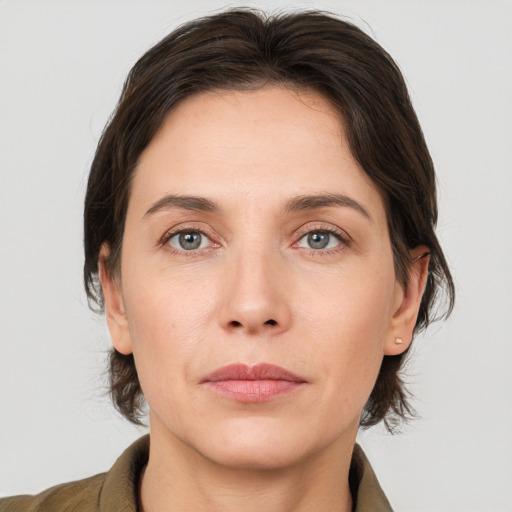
x=246, y=49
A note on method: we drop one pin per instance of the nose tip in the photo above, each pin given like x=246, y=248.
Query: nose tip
x=255, y=310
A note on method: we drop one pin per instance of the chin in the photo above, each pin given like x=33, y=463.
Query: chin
x=253, y=456
x=257, y=445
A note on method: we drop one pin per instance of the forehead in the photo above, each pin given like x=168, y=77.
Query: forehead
x=267, y=144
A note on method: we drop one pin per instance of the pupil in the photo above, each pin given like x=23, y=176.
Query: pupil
x=190, y=241
x=318, y=240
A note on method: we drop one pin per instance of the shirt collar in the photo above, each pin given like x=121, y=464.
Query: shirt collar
x=120, y=488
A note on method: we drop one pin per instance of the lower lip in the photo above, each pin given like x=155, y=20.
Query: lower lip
x=253, y=391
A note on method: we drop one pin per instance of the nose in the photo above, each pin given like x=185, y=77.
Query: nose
x=255, y=295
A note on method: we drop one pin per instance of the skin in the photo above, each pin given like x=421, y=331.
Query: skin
x=255, y=291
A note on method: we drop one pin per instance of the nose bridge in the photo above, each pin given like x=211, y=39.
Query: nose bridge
x=255, y=299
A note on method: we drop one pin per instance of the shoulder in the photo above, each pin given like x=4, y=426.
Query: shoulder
x=366, y=491
x=79, y=496
x=113, y=491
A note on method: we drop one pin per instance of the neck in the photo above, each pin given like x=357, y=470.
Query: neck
x=178, y=478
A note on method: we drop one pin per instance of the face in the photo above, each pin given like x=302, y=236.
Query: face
x=257, y=288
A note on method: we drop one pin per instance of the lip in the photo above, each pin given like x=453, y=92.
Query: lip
x=252, y=384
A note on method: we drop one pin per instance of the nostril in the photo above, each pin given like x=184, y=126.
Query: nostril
x=237, y=324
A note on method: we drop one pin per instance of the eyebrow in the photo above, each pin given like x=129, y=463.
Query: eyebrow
x=313, y=202
x=295, y=204
x=193, y=203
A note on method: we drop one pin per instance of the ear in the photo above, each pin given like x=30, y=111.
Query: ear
x=115, y=312
x=407, y=303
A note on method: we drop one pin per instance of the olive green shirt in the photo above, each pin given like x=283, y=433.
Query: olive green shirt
x=116, y=490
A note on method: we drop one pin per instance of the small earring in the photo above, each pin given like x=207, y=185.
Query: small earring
x=399, y=341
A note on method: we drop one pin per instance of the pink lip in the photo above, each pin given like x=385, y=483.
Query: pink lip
x=258, y=383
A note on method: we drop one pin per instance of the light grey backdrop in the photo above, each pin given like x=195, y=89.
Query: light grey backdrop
x=61, y=68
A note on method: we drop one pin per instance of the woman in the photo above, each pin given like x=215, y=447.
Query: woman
x=259, y=230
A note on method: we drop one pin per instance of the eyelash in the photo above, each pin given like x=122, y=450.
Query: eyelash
x=343, y=239
x=171, y=234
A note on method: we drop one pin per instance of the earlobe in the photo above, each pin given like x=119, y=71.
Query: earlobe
x=408, y=303
x=115, y=312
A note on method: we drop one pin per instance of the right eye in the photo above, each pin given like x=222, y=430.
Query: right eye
x=188, y=240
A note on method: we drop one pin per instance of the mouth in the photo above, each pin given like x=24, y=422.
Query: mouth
x=252, y=384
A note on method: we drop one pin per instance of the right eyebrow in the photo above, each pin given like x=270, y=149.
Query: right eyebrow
x=194, y=203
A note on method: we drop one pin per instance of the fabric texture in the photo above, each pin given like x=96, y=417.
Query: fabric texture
x=116, y=490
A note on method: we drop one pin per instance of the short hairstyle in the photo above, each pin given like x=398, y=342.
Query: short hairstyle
x=246, y=49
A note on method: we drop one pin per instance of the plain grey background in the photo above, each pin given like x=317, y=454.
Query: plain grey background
x=62, y=64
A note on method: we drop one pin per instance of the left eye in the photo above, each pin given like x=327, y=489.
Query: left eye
x=319, y=240
x=189, y=240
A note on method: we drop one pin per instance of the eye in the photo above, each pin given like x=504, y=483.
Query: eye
x=188, y=240
x=319, y=240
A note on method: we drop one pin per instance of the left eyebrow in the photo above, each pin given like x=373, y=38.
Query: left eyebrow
x=313, y=202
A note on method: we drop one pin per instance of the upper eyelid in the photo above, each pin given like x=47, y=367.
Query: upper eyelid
x=172, y=234
x=307, y=228
x=176, y=230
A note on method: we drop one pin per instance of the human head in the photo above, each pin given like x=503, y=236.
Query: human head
x=243, y=49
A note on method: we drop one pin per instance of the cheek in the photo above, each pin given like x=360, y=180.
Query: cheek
x=348, y=322
x=357, y=303
x=167, y=322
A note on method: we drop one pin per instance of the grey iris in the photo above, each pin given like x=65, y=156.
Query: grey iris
x=190, y=241
x=318, y=240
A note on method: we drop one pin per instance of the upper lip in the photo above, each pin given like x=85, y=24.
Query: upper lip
x=262, y=371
